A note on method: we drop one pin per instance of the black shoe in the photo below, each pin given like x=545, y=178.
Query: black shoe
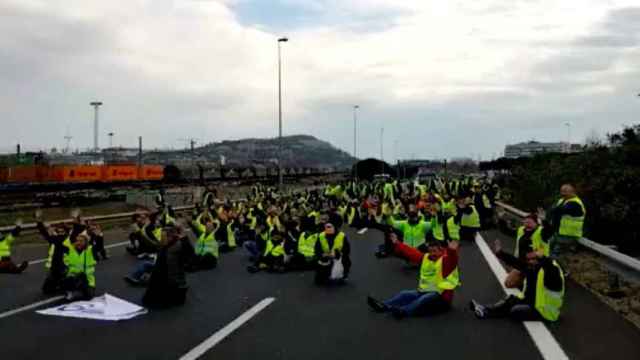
x=376, y=305
x=23, y=266
x=381, y=254
x=132, y=281
x=480, y=311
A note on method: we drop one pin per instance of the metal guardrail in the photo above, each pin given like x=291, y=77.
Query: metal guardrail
x=611, y=254
x=116, y=216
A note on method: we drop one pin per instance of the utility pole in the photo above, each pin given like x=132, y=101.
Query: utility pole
x=111, y=139
x=280, y=179
x=96, y=105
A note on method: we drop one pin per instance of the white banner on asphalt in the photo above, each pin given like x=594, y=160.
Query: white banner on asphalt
x=105, y=307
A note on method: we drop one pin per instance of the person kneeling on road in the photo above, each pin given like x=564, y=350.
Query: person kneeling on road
x=79, y=282
x=439, y=277
x=7, y=265
x=168, y=284
x=543, y=290
x=333, y=251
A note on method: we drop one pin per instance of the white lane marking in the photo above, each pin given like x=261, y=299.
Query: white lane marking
x=362, y=231
x=545, y=342
x=33, y=262
x=214, y=339
x=32, y=306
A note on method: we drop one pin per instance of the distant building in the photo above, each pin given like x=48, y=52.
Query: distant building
x=531, y=148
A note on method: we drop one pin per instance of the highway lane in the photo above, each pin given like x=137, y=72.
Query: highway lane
x=304, y=320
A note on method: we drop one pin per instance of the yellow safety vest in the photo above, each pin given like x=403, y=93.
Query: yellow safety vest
x=338, y=242
x=81, y=263
x=307, y=245
x=547, y=302
x=471, y=220
x=5, y=246
x=431, y=279
x=537, y=243
x=207, y=244
x=571, y=225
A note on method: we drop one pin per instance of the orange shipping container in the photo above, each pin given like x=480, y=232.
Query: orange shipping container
x=151, y=172
x=75, y=173
x=112, y=173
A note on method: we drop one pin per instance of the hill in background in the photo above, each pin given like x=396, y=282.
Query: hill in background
x=297, y=151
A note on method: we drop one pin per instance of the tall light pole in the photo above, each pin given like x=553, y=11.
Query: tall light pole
x=355, y=139
x=96, y=105
x=111, y=139
x=280, y=181
x=568, y=125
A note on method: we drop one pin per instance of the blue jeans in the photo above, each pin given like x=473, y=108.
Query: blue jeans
x=412, y=302
x=142, y=268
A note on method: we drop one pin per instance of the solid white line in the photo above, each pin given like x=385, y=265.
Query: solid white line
x=545, y=342
x=33, y=262
x=225, y=331
x=32, y=306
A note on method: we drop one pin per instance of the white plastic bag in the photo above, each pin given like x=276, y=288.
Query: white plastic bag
x=337, y=270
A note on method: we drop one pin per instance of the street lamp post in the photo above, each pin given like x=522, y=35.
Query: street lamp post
x=96, y=105
x=355, y=139
x=111, y=139
x=280, y=179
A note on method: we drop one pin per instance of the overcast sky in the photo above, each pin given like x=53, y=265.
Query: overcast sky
x=444, y=78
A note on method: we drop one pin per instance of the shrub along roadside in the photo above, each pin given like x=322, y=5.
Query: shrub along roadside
x=607, y=178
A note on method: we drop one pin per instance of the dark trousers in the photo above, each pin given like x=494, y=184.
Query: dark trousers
x=515, y=308
x=194, y=262
x=468, y=234
x=79, y=285
x=7, y=266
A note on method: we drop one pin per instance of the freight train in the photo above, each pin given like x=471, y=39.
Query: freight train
x=49, y=174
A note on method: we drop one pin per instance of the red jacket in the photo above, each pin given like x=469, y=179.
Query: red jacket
x=415, y=256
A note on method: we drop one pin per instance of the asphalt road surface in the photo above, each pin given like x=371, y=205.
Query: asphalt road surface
x=304, y=321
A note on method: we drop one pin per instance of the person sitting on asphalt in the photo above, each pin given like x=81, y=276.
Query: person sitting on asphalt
x=204, y=255
x=332, y=246
x=167, y=284
x=60, y=239
x=543, y=290
x=148, y=239
x=79, y=282
x=7, y=265
x=530, y=237
x=469, y=219
x=305, y=256
x=414, y=230
x=439, y=277
x=272, y=259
